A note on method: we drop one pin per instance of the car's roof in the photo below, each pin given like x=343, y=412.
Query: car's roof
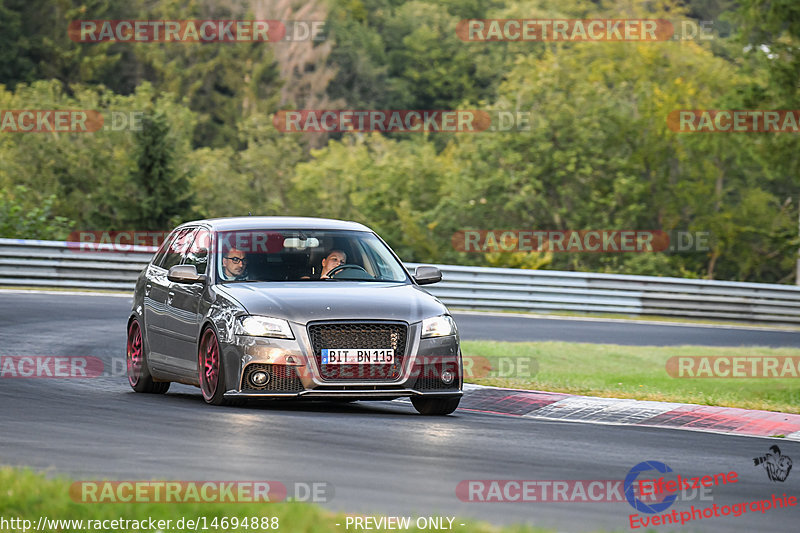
x=273, y=223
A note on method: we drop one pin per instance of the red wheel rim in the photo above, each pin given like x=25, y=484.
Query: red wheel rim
x=134, y=358
x=209, y=364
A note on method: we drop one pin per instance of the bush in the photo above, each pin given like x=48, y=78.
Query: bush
x=24, y=216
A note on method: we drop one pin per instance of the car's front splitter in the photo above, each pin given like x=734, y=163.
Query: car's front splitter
x=363, y=394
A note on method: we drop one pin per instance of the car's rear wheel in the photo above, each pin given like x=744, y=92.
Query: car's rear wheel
x=136, y=361
x=435, y=406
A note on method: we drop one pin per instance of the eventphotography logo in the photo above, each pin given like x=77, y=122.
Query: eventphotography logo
x=777, y=465
x=654, y=514
x=631, y=480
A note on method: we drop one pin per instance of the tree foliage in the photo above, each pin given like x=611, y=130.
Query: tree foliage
x=597, y=155
x=160, y=195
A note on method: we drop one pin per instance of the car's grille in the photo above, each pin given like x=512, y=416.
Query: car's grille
x=429, y=375
x=359, y=335
x=282, y=378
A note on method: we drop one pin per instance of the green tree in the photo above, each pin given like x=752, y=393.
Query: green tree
x=406, y=55
x=15, y=64
x=89, y=172
x=37, y=43
x=390, y=185
x=221, y=82
x=160, y=194
x=256, y=179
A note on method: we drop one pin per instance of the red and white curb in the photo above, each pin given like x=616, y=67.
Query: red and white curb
x=618, y=411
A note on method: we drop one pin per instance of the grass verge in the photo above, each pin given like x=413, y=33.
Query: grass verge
x=691, y=321
x=29, y=495
x=638, y=372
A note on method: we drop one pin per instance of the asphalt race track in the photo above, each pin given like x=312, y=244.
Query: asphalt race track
x=378, y=458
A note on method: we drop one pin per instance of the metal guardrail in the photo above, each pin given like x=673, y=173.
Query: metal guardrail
x=57, y=264
x=32, y=263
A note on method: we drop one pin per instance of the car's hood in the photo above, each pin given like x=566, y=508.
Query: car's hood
x=308, y=301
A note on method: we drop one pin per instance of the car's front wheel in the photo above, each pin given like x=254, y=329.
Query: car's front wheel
x=136, y=362
x=435, y=406
x=210, y=368
x=212, y=371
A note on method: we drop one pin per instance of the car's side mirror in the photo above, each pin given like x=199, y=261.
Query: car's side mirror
x=185, y=274
x=425, y=275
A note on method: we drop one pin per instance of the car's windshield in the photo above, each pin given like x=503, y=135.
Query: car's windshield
x=304, y=255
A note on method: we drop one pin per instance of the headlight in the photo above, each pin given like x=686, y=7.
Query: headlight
x=263, y=326
x=438, y=326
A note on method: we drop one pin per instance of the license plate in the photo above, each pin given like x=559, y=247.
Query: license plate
x=351, y=356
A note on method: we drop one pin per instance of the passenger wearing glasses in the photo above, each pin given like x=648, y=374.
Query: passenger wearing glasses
x=234, y=265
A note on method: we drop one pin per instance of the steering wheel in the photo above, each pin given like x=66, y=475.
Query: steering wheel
x=341, y=268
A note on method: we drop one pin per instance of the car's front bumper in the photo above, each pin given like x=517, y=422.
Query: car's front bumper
x=295, y=371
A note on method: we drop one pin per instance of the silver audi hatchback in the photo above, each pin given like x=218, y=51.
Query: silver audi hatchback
x=290, y=307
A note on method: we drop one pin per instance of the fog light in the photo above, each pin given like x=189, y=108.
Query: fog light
x=448, y=377
x=259, y=378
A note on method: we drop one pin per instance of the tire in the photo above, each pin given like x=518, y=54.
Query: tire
x=211, y=371
x=435, y=406
x=139, y=376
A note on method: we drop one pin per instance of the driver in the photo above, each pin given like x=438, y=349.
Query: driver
x=334, y=259
x=234, y=265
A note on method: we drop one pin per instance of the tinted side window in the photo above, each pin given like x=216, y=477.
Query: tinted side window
x=178, y=247
x=197, y=254
x=158, y=260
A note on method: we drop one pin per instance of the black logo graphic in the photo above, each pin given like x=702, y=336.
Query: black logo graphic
x=777, y=466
